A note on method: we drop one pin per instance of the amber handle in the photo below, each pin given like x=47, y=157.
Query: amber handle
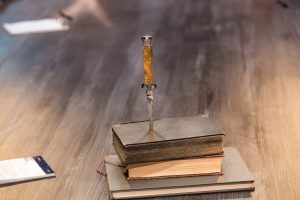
x=147, y=60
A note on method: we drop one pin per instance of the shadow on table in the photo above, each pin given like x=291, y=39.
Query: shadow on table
x=27, y=181
x=4, y=4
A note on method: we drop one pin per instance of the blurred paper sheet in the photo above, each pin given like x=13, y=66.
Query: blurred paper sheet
x=24, y=169
x=36, y=26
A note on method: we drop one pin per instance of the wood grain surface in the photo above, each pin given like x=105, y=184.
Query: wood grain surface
x=236, y=61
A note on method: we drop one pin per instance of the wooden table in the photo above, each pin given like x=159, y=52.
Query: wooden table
x=238, y=61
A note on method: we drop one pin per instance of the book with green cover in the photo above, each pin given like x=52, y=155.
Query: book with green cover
x=236, y=177
x=172, y=138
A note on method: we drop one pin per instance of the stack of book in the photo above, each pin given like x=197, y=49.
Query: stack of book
x=182, y=156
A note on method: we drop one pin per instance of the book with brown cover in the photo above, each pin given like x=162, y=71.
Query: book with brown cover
x=172, y=138
x=207, y=165
x=235, y=177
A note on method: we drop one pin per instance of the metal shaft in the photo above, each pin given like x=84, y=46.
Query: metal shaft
x=149, y=92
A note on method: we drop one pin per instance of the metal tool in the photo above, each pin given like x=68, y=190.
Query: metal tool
x=148, y=76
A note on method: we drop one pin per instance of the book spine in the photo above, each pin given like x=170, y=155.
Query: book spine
x=119, y=149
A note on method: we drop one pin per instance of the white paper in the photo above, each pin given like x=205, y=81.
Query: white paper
x=20, y=169
x=36, y=26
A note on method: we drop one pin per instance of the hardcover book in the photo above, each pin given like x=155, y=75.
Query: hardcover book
x=208, y=165
x=235, y=177
x=172, y=138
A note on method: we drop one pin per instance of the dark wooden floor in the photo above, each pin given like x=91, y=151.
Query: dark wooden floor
x=238, y=61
